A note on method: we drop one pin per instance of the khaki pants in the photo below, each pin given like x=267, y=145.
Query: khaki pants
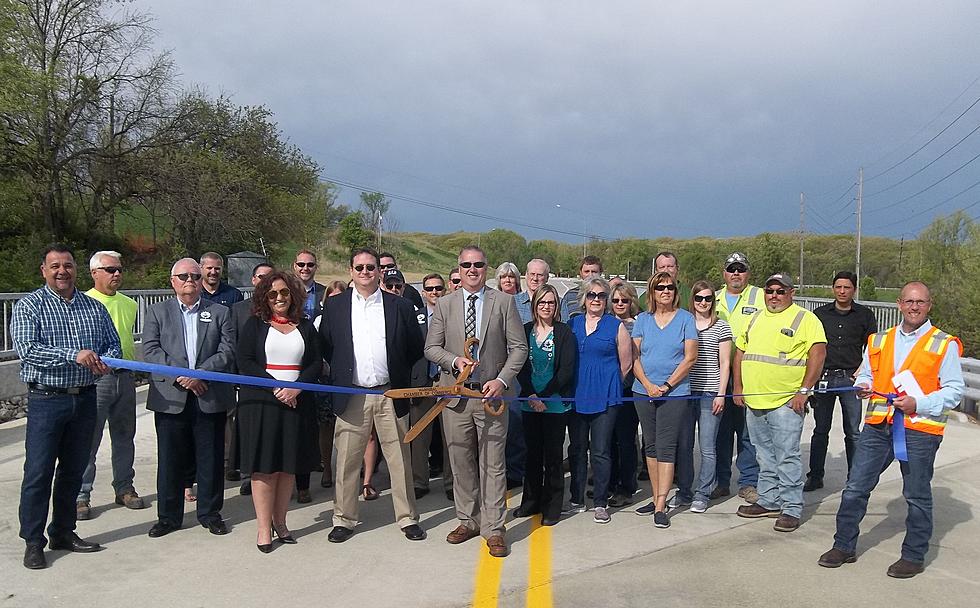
x=477, y=443
x=350, y=438
x=420, y=448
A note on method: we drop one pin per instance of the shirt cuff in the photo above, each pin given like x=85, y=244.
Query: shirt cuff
x=506, y=386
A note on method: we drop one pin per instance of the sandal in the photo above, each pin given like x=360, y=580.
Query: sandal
x=369, y=492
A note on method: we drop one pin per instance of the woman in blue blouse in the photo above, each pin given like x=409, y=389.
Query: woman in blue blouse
x=548, y=372
x=605, y=356
x=666, y=338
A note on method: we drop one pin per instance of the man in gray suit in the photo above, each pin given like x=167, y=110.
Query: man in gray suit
x=195, y=333
x=477, y=439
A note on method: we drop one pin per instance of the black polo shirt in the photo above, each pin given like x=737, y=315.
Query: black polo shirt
x=847, y=333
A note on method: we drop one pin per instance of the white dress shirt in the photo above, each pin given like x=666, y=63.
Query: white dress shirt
x=480, y=298
x=367, y=324
x=189, y=315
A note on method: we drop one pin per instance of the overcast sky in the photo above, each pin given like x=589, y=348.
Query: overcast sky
x=643, y=118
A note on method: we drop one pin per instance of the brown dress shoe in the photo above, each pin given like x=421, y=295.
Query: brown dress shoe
x=753, y=511
x=904, y=569
x=786, y=523
x=130, y=500
x=835, y=558
x=83, y=510
x=461, y=534
x=497, y=546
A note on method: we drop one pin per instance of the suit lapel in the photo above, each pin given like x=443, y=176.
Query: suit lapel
x=489, y=301
x=391, y=319
x=202, y=326
x=345, y=323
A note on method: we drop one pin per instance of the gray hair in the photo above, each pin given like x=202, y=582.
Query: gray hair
x=507, y=268
x=587, y=284
x=96, y=260
x=173, y=269
x=547, y=268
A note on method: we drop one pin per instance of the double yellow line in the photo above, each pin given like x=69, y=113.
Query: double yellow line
x=488, y=571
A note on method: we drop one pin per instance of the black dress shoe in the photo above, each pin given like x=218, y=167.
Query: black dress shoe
x=449, y=496
x=162, y=529
x=265, y=548
x=246, y=488
x=34, y=557
x=514, y=483
x=339, y=534
x=414, y=532
x=233, y=475
x=216, y=527
x=549, y=521
x=420, y=492
x=525, y=511
x=72, y=543
x=812, y=483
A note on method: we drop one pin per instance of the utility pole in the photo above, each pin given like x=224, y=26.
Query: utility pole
x=801, y=240
x=857, y=265
x=901, y=251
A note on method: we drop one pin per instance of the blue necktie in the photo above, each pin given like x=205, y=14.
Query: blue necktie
x=898, y=433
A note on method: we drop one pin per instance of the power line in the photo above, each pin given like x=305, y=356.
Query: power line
x=930, y=186
x=936, y=206
x=451, y=209
x=929, y=164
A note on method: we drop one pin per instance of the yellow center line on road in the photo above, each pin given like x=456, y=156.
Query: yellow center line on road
x=539, y=566
x=488, y=572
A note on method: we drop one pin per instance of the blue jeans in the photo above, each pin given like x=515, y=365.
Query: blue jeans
x=59, y=434
x=823, y=416
x=699, y=414
x=116, y=395
x=596, y=432
x=776, y=435
x=873, y=455
x=731, y=427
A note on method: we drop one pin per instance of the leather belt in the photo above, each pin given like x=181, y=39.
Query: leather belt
x=61, y=390
x=839, y=371
x=473, y=385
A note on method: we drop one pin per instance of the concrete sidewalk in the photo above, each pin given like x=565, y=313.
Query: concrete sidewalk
x=711, y=559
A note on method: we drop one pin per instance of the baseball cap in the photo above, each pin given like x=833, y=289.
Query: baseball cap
x=393, y=275
x=737, y=258
x=782, y=278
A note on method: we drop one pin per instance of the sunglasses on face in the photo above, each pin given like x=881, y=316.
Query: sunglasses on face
x=455, y=281
x=305, y=264
x=274, y=295
x=621, y=300
x=395, y=285
x=111, y=269
x=473, y=264
x=665, y=287
x=596, y=295
x=779, y=292
x=386, y=266
x=364, y=267
x=433, y=287
x=709, y=298
x=736, y=269
x=185, y=276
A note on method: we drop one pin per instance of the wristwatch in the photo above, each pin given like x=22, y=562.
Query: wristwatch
x=805, y=391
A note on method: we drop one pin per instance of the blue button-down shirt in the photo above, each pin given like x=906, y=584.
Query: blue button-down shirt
x=189, y=315
x=49, y=332
x=950, y=373
x=523, y=301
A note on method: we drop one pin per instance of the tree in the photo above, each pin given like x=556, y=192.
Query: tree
x=375, y=211
x=352, y=233
x=502, y=245
x=769, y=255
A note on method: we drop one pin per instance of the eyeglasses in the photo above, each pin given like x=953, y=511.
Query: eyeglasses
x=185, y=276
x=387, y=266
x=455, y=281
x=544, y=303
x=736, y=269
x=779, y=292
x=305, y=264
x=274, y=295
x=111, y=269
x=395, y=285
x=596, y=295
x=621, y=300
x=433, y=288
x=364, y=267
x=919, y=303
x=473, y=264
x=709, y=298
x=665, y=287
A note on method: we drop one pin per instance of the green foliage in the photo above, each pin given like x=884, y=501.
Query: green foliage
x=869, y=290
x=352, y=233
x=502, y=245
x=769, y=254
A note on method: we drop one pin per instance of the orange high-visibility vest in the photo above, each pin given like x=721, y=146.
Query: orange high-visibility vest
x=923, y=361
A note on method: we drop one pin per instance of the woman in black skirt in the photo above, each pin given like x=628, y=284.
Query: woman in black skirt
x=278, y=427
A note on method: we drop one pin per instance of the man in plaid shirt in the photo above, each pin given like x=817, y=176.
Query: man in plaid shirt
x=60, y=335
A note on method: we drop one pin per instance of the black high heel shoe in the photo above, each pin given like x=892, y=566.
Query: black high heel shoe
x=287, y=539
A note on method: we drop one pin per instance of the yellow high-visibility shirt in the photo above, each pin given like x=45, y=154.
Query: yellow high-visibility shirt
x=122, y=311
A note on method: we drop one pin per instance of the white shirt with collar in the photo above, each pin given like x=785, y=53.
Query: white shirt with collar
x=367, y=324
x=481, y=297
x=189, y=315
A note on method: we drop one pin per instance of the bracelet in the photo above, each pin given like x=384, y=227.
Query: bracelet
x=669, y=386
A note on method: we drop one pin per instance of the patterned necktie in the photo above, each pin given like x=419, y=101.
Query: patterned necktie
x=470, y=323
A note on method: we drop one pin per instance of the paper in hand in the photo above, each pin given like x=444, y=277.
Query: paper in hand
x=906, y=384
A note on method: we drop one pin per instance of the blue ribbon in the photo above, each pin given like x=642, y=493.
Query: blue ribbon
x=898, y=431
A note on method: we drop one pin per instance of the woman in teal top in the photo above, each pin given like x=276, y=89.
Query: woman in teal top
x=548, y=372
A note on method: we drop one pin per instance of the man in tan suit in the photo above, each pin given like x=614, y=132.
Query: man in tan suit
x=476, y=439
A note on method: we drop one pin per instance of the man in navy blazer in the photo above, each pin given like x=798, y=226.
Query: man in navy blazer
x=191, y=332
x=371, y=339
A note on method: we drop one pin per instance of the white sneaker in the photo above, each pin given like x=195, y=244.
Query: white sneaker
x=699, y=506
x=574, y=507
x=676, y=502
x=601, y=515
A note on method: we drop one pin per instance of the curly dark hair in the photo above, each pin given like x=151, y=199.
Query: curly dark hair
x=260, y=299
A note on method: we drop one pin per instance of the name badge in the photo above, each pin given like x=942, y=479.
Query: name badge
x=205, y=316
x=421, y=318
x=749, y=310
